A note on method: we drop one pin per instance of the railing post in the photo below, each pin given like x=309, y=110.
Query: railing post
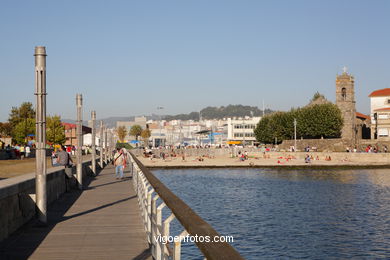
x=159, y=244
x=149, y=203
x=177, y=246
x=165, y=234
x=154, y=226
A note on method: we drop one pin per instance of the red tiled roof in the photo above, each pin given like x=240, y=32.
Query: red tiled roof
x=380, y=93
x=360, y=115
x=383, y=109
x=68, y=125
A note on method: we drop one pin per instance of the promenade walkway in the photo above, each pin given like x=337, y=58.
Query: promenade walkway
x=101, y=222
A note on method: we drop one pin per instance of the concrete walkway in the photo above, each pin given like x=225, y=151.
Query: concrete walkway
x=102, y=222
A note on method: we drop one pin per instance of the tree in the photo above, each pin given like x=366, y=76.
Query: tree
x=136, y=130
x=5, y=129
x=23, y=112
x=19, y=114
x=314, y=121
x=122, y=132
x=316, y=96
x=55, y=131
x=22, y=130
x=145, y=134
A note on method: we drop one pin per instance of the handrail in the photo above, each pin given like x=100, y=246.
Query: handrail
x=193, y=224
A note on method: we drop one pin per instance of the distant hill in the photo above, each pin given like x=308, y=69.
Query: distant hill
x=221, y=112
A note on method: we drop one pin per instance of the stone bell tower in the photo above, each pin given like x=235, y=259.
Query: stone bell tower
x=345, y=100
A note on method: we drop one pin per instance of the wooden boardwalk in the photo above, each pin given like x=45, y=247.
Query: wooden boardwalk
x=102, y=222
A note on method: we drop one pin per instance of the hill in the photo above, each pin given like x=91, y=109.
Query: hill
x=221, y=112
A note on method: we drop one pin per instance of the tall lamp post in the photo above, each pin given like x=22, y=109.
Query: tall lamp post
x=93, y=116
x=160, y=108
x=295, y=134
x=79, y=168
x=101, y=145
x=40, y=127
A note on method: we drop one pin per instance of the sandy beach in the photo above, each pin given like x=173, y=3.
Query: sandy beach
x=273, y=159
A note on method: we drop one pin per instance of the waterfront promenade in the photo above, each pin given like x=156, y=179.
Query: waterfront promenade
x=101, y=222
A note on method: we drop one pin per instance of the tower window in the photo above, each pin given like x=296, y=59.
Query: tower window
x=344, y=93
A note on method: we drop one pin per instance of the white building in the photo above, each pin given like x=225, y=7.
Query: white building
x=87, y=140
x=380, y=114
x=241, y=130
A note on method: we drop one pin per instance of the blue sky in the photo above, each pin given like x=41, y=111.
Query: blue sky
x=128, y=57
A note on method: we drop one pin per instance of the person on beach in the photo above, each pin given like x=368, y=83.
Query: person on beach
x=307, y=158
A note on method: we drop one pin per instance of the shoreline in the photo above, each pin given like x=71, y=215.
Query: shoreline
x=287, y=167
x=280, y=160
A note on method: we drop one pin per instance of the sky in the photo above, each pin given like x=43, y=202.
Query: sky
x=129, y=57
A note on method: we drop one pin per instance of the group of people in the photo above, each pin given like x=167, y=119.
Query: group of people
x=63, y=158
x=17, y=151
x=243, y=156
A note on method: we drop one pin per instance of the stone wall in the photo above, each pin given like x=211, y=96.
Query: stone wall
x=332, y=145
x=17, y=207
x=322, y=145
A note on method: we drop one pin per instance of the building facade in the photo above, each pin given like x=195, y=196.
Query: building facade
x=71, y=133
x=241, y=130
x=380, y=114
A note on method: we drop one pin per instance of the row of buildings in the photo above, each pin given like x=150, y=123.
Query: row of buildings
x=191, y=132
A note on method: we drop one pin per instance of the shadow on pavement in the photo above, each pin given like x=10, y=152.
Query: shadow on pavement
x=23, y=243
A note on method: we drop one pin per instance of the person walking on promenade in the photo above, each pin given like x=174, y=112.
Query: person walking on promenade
x=118, y=163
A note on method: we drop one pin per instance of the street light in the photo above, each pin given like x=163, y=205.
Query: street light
x=295, y=134
x=160, y=141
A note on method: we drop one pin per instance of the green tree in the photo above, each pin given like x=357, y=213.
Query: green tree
x=22, y=130
x=136, y=130
x=314, y=121
x=318, y=121
x=55, y=131
x=145, y=134
x=5, y=129
x=19, y=114
x=263, y=131
x=122, y=132
x=316, y=96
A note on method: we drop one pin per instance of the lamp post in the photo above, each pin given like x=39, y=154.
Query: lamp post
x=79, y=168
x=160, y=139
x=101, y=145
x=295, y=134
x=93, y=116
x=40, y=127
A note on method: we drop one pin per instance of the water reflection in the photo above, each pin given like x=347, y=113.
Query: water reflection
x=291, y=213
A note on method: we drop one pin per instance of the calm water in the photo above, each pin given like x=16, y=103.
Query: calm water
x=290, y=213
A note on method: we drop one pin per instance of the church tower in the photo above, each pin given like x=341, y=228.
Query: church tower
x=345, y=100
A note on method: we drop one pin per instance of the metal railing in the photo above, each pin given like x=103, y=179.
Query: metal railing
x=149, y=189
